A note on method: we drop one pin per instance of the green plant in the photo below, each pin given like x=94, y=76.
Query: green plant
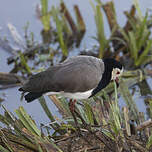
x=59, y=26
x=45, y=18
x=101, y=38
x=22, y=131
x=138, y=40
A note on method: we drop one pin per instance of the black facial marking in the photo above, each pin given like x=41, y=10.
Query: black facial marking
x=112, y=63
x=109, y=65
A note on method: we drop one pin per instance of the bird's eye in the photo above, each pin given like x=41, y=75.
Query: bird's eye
x=118, y=72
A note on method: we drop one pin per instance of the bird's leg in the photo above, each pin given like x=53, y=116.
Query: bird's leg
x=72, y=107
x=73, y=111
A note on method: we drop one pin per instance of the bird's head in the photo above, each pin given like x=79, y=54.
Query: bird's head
x=116, y=73
x=116, y=69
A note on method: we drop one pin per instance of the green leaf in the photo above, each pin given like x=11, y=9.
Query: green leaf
x=45, y=15
x=107, y=133
x=88, y=112
x=9, y=117
x=126, y=37
x=83, y=113
x=44, y=4
x=24, y=63
x=59, y=27
x=46, y=109
x=4, y=120
x=149, y=143
x=136, y=4
x=2, y=149
x=133, y=46
x=141, y=32
x=142, y=57
x=100, y=28
x=27, y=121
x=115, y=116
x=124, y=91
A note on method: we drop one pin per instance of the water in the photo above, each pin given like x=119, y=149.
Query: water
x=19, y=13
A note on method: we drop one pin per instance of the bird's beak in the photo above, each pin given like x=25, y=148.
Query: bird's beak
x=117, y=81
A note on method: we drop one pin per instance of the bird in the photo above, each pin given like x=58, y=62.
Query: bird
x=78, y=77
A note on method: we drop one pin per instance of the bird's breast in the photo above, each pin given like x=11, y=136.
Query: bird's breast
x=76, y=95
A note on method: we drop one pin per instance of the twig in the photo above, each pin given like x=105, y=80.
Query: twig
x=66, y=138
x=80, y=20
x=10, y=78
x=126, y=117
x=132, y=12
x=83, y=121
x=102, y=140
x=92, y=148
x=135, y=144
x=29, y=52
x=144, y=125
x=9, y=86
x=68, y=17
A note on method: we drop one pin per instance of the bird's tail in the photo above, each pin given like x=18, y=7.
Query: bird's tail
x=32, y=96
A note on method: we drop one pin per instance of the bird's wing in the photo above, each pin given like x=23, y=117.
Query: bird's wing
x=77, y=74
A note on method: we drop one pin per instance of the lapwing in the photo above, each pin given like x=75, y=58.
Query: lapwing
x=78, y=77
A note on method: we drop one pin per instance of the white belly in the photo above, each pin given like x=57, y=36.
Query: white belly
x=78, y=95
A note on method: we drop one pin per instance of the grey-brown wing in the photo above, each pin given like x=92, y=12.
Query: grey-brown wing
x=79, y=74
x=79, y=78
x=73, y=75
x=41, y=82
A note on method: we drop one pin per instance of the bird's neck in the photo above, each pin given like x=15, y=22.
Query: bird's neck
x=105, y=80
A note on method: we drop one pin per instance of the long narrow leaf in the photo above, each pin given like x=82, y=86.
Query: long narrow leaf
x=129, y=100
x=45, y=15
x=2, y=149
x=59, y=31
x=141, y=32
x=133, y=45
x=143, y=55
x=27, y=121
x=88, y=113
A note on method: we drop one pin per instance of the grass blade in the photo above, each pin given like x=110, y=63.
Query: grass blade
x=133, y=46
x=2, y=149
x=88, y=112
x=143, y=56
x=129, y=100
x=27, y=121
x=100, y=29
x=59, y=27
x=45, y=15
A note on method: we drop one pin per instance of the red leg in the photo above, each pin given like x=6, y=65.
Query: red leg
x=72, y=105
